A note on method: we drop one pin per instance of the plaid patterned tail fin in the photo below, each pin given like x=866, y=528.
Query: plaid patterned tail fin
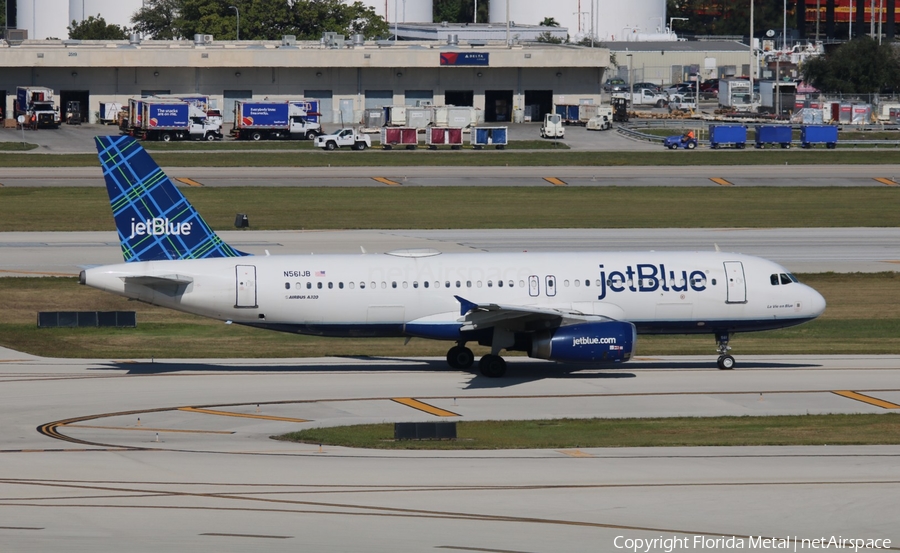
x=154, y=219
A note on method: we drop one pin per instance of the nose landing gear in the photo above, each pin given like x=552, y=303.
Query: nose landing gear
x=725, y=361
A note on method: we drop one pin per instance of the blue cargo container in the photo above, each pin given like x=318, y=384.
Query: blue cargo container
x=568, y=112
x=727, y=134
x=773, y=134
x=262, y=114
x=818, y=134
x=488, y=136
x=165, y=116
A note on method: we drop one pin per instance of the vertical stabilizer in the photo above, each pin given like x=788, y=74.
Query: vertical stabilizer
x=154, y=219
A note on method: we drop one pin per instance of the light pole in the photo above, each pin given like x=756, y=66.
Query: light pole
x=238, y=13
x=630, y=91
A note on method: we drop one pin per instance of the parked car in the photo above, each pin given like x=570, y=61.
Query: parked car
x=615, y=85
x=709, y=88
x=680, y=88
x=650, y=86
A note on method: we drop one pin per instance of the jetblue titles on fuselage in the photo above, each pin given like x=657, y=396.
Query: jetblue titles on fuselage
x=648, y=277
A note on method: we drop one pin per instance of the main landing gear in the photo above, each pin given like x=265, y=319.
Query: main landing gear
x=726, y=361
x=461, y=357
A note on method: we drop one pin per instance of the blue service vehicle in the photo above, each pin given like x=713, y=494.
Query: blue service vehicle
x=568, y=113
x=260, y=120
x=680, y=141
x=818, y=134
x=720, y=135
x=488, y=136
x=169, y=120
x=773, y=134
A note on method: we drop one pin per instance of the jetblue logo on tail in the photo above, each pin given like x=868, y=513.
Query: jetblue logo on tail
x=159, y=226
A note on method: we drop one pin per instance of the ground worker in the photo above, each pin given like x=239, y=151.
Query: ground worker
x=688, y=136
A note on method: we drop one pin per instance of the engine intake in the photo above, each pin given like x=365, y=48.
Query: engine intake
x=610, y=342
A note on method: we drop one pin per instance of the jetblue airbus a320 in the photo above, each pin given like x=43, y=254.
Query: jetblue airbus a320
x=573, y=307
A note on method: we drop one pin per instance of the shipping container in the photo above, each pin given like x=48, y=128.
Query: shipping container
x=399, y=136
x=720, y=135
x=420, y=117
x=444, y=136
x=489, y=136
x=818, y=134
x=773, y=134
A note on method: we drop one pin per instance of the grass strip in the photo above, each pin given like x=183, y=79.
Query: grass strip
x=881, y=429
x=17, y=146
x=483, y=158
x=863, y=317
x=397, y=207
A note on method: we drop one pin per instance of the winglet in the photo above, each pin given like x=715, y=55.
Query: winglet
x=154, y=219
x=465, y=305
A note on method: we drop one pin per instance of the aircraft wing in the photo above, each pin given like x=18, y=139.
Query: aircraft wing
x=486, y=315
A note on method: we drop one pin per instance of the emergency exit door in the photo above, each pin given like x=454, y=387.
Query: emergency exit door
x=245, y=284
x=737, y=287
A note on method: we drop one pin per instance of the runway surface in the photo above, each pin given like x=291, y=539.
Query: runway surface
x=668, y=176
x=800, y=250
x=176, y=455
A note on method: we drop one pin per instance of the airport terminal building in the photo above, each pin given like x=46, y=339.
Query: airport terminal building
x=507, y=82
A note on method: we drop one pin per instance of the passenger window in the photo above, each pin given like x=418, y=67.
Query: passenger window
x=468, y=284
x=405, y=284
x=287, y=285
x=713, y=282
x=774, y=280
x=521, y=284
x=298, y=286
x=577, y=283
x=415, y=284
x=447, y=284
x=350, y=285
x=587, y=282
x=308, y=285
x=425, y=284
x=383, y=285
x=394, y=284
x=499, y=284
x=490, y=284
x=341, y=285
x=478, y=284
x=598, y=283
x=319, y=285
x=362, y=285
x=566, y=283
x=511, y=284
x=785, y=279
x=330, y=285
x=458, y=284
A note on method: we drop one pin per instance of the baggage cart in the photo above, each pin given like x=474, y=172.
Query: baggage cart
x=818, y=134
x=444, y=136
x=399, y=136
x=720, y=135
x=489, y=136
x=773, y=134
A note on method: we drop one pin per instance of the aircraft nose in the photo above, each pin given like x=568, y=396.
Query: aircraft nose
x=815, y=304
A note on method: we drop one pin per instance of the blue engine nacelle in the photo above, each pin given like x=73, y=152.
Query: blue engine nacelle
x=605, y=342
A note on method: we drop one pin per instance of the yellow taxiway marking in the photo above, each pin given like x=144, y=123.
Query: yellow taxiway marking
x=242, y=415
x=148, y=429
x=385, y=180
x=555, y=181
x=416, y=404
x=867, y=399
x=721, y=182
x=187, y=181
x=887, y=182
x=574, y=453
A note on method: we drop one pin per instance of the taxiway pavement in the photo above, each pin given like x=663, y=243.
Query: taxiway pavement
x=176, y=455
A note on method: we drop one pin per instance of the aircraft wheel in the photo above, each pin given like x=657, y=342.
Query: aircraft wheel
x=460, y=357
x=726, y=362
x=492, y=366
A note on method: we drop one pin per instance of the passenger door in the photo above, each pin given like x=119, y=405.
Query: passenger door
x=245, y=285
x=737, y=287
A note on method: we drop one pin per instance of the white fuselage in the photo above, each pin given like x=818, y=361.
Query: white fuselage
x=414, y=293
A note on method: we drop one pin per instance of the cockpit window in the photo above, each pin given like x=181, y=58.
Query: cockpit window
x=785, y=279
x=774, y=280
